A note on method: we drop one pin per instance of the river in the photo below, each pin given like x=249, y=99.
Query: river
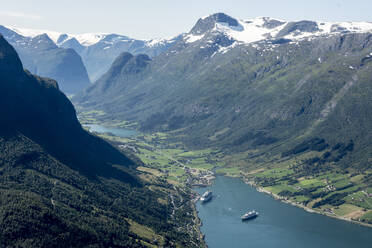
x=278, y=225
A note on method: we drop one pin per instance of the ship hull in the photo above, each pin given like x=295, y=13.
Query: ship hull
x=206, y=197
x=205, y=200
x=249, y=217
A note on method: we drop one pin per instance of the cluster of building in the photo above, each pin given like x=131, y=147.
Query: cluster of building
x=329, y=188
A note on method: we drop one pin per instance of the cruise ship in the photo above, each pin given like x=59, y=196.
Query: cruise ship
x=207, y=196
x=250, y=215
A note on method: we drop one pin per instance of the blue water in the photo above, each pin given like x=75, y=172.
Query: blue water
x=279, y=224
x=120, y=132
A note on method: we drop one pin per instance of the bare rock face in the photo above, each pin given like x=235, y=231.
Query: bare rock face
x=206, y=24
x=298, y=27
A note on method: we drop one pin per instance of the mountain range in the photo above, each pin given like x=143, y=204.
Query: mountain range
x=263, y=84
x=64, y=187
x=40, y=55
x=98, y=50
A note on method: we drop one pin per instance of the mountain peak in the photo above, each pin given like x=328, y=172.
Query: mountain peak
x=122, y=59
x=207, y=23
x=43, y=40
x=221, y=17
x=131, y=64
x=62, y=38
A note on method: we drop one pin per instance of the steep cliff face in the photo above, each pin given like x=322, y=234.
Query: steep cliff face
x=36, y=108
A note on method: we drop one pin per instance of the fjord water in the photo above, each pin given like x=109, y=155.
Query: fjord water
x=278, y=225
x=120, y=132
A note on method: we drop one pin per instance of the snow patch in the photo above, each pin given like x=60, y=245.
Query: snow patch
x=253, y=30
x=155, y=42
x=248, y=31
x=35, y=32
x=361, y=27
x=84, y=39
x=223, y=50
x=190, y=38
x=89, y=38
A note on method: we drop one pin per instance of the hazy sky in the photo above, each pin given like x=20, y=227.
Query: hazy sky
x=166, y=18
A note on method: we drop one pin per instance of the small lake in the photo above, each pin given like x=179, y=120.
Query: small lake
x=120, y=132
x=278, y=225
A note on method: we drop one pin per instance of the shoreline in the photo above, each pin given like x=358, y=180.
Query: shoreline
x=307, y=209
x=261, y=190
x=198, y=224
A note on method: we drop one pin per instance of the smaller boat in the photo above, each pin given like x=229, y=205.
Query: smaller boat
x=249, y=215
x=207, y=196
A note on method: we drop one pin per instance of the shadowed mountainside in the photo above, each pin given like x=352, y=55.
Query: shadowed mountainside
x=63, y=187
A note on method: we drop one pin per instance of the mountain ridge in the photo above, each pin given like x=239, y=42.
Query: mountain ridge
x=246, y=31
x=84, y=39
x=89, y=39
x=63, y=186
x=98, y=50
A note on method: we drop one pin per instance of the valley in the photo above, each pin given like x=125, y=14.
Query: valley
x=333, y=192
x=287, y=110
x=162, y=157
x=109, y=141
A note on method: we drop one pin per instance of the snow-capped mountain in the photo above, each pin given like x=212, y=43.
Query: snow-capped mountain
x=98, y=50
x=265, y=29
x=218, y=33
x=86, y=39
x=241, y=30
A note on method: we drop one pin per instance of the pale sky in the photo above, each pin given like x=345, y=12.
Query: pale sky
x=145, y=19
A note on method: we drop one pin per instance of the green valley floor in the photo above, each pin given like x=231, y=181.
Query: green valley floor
x=331, y=192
